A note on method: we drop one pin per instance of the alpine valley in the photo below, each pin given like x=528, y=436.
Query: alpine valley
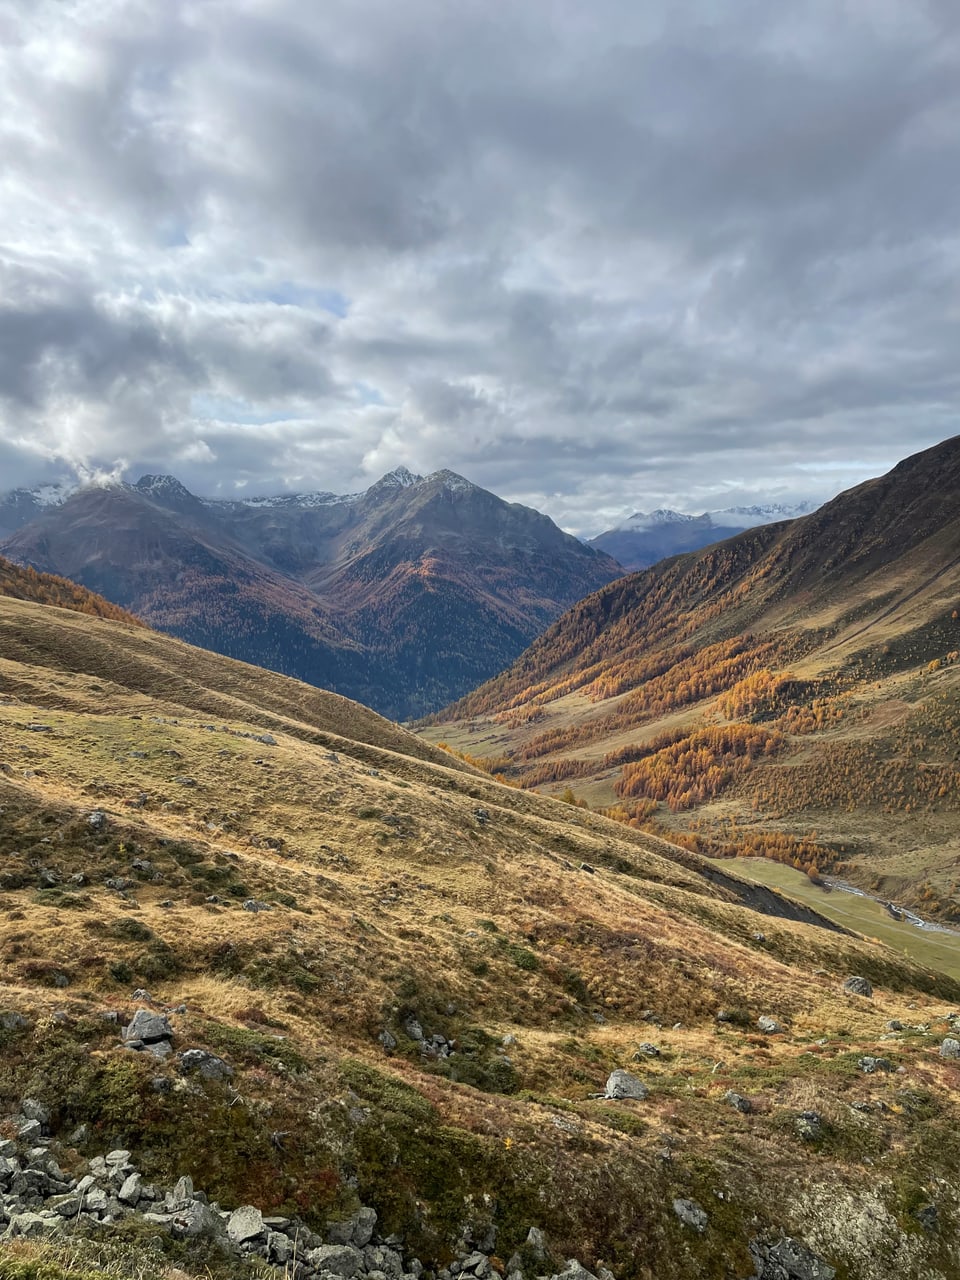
x=791, y=694
x=404, y=597
x=289, y=992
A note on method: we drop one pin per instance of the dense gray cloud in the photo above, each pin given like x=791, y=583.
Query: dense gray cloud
x=594, y=257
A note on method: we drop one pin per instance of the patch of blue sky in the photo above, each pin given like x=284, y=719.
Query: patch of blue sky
x=288, y=294
x=367, y=394
x=209, y=408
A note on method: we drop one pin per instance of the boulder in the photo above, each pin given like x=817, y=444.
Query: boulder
x=357, y=1230
x=28, y=1226
x=32, y=1109
x=789, y=1260
x=691, y=1214
x=148, y=1028
x=195, y=1221
x=769, y=1026
x=868, y=1065
x=339, y=1259
x=857, y=986
x=809, y=1125
x=207, y=1065
x=738, y=1102
x=950, y=1048
x=624, y=1084
x=131, y=1190
x=245, y=1223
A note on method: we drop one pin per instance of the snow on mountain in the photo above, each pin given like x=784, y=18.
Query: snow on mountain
x=727, y=518
x=768, y=513
x=643, y=520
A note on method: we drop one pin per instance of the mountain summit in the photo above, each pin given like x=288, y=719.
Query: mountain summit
x=402, y=596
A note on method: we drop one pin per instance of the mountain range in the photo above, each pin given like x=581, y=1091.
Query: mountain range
x=792, y=692
x=646, y=537
x=403, y=596
x=362, y=972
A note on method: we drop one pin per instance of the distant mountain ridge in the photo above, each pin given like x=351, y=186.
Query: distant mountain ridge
x=402, y=596
x=646, y=537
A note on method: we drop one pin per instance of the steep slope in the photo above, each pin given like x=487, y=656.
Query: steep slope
x=645, y=538
x=421, y=980
x=45, y=588
x=403, y=596
x=799, y=678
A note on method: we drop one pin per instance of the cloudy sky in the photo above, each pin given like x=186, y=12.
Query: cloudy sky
x=594, y=256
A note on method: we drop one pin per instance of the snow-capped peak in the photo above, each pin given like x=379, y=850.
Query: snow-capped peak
x=400, y=478
x=451, y=481
x=641, y=520
x=165, y=485
x=764, y=513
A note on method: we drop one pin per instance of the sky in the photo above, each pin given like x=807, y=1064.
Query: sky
x=596, y=257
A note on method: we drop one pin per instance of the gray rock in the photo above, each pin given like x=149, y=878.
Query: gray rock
x=928, y=1217
x=181, y=1194
x=537, y=1243
x=357, y=1230
x=388, y=1040
x=413, y=1029
x=691, y=1214
x=339, y=1259
x=738, y=1102
x=96, y=1200
x=477, y=1264
x=950, y=1048
x=267, y=739
x=148, y=1027
x=208, y=1065
x=280, y=1248
x=116, y=1157
x=97, y=820
x=857, y=986
x=769, y=1026
x=68, y=1206
x=29, y=1130
x=894, y=1025
x=9, y=1168
x=809, y=1125
x=646, y=1050
x=868, y=1065
x=254, y=904
x=574, y=1270
x=789, y=1260
x=33, y=1109
x=131, y=1189
x=13, y=1022
x=383, y=1259
x=245, y=1223
x=624, y=1084
x=28, y=1226
x=195, y=1221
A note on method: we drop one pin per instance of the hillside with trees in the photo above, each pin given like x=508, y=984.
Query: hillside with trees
x=793, y=692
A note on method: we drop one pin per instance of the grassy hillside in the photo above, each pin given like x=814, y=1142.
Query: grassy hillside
x=314, y=888
x=792, y=693
x=46, y=588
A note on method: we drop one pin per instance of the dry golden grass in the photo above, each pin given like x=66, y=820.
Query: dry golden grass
x=402, y=883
